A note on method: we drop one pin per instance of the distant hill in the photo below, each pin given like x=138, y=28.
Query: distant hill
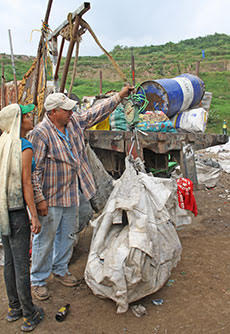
x=153, y=62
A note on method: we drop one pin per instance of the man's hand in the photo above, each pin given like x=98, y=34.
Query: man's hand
x=36, y=226
x=126, y=91
x=42, y=208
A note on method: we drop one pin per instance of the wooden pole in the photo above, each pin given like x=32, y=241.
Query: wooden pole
x=69, y=54
x=100, y=74
x=13, y=66
x=178, y=67
x=198, y=68
x=74, y=68
x=39, y=53
x=133, y=68
x=3, y=102
x=59, y=59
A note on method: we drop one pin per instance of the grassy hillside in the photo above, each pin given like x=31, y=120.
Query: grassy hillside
x=154, y=62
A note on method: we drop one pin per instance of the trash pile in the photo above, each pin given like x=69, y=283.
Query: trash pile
x=179, y=104
x=210, y=163
x=135, y=244
x=218, y=156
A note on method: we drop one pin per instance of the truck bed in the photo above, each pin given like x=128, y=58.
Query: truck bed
x=154, y=148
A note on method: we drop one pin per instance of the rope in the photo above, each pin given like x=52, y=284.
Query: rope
x=45, y=28
x=84, y=24
x=73, y=38
x=24, y=79
x=139, y=98
x=69, y=18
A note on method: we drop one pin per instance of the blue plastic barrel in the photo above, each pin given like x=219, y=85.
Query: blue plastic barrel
x=173, y=95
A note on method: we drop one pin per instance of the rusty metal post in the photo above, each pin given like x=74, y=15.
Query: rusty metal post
x=3, y=102
x=39, y=53
x=133, y=68
x=74, y=68
x=198, y=68
x=100, y=76
x=178, y=67
x=59, y=59
x=13, y=66
x=69, y=53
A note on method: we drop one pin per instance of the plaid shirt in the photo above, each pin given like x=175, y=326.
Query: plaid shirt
x=57, y=172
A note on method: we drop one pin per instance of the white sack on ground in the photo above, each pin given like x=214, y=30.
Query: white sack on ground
x=103, y=181
x=132, y=259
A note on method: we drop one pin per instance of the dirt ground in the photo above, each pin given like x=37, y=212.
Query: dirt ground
x=197, y=301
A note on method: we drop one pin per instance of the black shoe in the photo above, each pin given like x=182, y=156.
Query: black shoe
x=30, y=323
x=13, y=314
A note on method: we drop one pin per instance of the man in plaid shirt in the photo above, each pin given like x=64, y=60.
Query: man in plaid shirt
x=61, y=167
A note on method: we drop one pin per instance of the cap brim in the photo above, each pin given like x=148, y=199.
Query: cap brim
x=69, y=104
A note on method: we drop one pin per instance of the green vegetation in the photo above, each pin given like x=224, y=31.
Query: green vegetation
x=219, y=84
x=153, y=62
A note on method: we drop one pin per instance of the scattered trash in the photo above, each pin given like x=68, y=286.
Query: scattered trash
x=62, y=313
x=138, y=310
x=222, y=196
x=222, y=155
x=183, y=273
x=170, y=282
x=157, y=302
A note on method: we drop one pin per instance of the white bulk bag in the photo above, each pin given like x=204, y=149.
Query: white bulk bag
x=129, y=260
x=103, y=181
x=191, y=120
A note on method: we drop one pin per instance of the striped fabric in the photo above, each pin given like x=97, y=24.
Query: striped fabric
x=57, y=171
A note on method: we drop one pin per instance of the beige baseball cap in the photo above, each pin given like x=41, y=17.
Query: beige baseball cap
x=58, y=100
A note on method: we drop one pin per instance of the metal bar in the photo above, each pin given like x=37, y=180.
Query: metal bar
x=71, y=45
x=13, y=66
x=80, y=11
x=69, y=54
x=3, y=102
x=39, y=53
x=74, y=68
x=59, y=58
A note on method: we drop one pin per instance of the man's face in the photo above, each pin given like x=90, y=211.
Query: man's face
x=62, y=116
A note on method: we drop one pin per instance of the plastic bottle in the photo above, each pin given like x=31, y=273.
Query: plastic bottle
x=225, y=130
x=62, y=313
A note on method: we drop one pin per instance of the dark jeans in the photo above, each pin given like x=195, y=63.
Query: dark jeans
x=17, y=263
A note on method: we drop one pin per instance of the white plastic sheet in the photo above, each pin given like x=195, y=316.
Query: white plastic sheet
x=132, y=258
x=221, y=154
x=103, y=181
x=207, y=175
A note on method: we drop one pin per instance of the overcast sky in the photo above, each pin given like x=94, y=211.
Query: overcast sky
x=115, y=22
